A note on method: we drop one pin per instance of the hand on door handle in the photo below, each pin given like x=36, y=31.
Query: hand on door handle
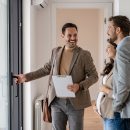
x=19, y=78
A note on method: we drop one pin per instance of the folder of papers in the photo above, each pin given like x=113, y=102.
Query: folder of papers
x=60, y=83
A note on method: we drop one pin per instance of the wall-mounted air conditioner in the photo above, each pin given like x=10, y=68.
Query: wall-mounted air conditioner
x=42, y=3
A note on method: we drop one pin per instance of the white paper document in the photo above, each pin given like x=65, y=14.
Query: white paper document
x=60, y=83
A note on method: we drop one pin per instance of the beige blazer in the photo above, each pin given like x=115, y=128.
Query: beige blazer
x=104, y=100
x=82, y=70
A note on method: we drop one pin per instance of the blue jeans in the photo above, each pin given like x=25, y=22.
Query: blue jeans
x=114, y=124
x=63, y=111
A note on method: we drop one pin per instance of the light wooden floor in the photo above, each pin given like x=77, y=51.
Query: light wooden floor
x=91, y=120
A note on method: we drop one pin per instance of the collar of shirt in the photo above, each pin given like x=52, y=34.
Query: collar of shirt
x=122, y=42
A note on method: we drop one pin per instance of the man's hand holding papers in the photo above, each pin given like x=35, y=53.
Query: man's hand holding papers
x=73, y=88
x=64, y=86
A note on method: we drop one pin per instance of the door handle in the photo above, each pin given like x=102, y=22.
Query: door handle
x=16, y=88
x=14, y=76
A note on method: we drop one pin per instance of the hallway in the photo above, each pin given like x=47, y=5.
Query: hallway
x=91, y=120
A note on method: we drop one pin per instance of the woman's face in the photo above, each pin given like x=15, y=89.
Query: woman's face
x=110, y=51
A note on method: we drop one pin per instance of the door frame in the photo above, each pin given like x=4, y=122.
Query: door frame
x=15, y=64
x=107, y=8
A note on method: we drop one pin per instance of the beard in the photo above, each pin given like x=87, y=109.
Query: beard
x=112, y=39
x=71, y=44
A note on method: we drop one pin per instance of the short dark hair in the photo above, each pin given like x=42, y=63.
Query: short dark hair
x=123, y=22
x=68, y=25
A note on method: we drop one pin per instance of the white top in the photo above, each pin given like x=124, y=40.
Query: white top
x=101, y=95
x=99, y=98
x=106, y=80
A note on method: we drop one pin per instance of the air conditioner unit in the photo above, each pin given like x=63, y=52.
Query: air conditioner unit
x=42, y=3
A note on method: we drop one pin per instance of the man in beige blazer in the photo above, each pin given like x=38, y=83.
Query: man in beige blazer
x=68, y=60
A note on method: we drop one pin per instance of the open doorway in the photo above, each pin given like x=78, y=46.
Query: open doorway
x=91, y=19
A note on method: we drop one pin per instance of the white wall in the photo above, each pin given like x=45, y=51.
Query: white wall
x=27, y=117
x=36, y=51
x=124, y=7
x=41, y=32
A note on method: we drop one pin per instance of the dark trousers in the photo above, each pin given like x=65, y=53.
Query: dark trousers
x=127, y=124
